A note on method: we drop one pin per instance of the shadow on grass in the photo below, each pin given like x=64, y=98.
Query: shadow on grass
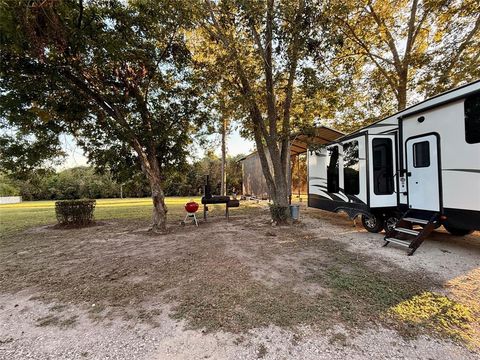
x=361, y=292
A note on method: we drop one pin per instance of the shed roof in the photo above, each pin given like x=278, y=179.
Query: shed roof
x=300, y=141
x=322, y=135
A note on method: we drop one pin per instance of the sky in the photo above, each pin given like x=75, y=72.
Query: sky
x=75, y=156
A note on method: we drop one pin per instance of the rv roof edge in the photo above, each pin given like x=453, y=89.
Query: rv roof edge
x=448, y=96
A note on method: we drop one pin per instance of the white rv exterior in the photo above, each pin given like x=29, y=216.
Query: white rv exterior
x=425, y=158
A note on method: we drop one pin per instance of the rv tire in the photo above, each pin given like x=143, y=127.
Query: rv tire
x=372, y=223
x=457, y=231
x=390, y=222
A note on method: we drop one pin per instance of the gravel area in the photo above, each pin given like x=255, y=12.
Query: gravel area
x=22, y=338
x=441, y=254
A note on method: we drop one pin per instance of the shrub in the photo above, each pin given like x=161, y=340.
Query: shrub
x=75, y=212
x=8, y=190
x=280, y=214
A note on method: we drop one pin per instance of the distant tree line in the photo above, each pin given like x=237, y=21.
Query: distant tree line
x=191, y=181
x=85, y=182
x=75, y=183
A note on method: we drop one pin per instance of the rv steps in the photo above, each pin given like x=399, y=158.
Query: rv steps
x=404, y=234
x=398, y=242
x=407, y=231
x=416, y=221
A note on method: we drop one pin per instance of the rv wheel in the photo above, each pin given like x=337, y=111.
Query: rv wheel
x=372, y=223
x=457, y=231
x=390, y=222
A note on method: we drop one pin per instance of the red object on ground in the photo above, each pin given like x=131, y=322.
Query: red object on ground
x=191, y=207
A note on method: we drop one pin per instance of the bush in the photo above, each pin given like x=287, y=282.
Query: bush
x=8, y=190
x=280, y=214
x=75, y=212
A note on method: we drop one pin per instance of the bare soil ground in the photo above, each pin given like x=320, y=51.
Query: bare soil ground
x=321, y=288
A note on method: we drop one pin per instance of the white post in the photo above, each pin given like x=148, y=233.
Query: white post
x=223, y=181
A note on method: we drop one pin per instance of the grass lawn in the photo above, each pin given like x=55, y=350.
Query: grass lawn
x=16, y=217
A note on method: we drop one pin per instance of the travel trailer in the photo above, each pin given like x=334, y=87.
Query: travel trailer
x=408, y=173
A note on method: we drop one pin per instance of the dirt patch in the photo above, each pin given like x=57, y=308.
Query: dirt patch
x=262, y=351
x=67, y=226
x=206, y=274
x=233, y=276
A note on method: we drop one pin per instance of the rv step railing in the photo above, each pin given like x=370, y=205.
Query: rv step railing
x=403, y=233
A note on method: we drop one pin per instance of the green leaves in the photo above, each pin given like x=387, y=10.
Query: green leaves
x=112, y=73
x=400, y=50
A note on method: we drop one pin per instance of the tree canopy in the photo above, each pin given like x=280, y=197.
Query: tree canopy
x=117, y=75
x=408, y=47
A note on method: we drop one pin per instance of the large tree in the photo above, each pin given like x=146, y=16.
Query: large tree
x=409, y=47
x=263, y=46
x=115, y=74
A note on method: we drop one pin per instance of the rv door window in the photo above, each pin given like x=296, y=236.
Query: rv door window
x=382, y=166
x=333, y=182
x=421, y=154
x=351, y=175
x=472, y=119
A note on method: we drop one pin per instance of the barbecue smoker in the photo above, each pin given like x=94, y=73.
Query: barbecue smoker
x=208, y=198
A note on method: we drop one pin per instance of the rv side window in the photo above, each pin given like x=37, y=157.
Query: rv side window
x=421, y=154
x=382, y=166
x=351, y=176
x=333, y=184
x=472, y=119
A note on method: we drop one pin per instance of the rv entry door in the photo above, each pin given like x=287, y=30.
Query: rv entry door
x=422, y=173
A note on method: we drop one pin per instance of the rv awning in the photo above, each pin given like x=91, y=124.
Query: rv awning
x=321, y=135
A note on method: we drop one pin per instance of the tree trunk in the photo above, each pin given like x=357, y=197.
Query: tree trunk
x=280, y=210
x=289, y=175
x=223, y=185
x=159, y=215
x=402, y=98
x=151, y=169
x=402, y=90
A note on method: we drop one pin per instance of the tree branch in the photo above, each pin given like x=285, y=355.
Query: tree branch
x=271, y=102
x=110, y=109
x=411, y=32
x=461, y=49
x=291, y=77
x=246, y=87
x=419, y=25
x=390, y=41
x=370, y=55
x=80, y=15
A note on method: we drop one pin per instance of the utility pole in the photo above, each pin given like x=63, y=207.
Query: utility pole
x=223, y=183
